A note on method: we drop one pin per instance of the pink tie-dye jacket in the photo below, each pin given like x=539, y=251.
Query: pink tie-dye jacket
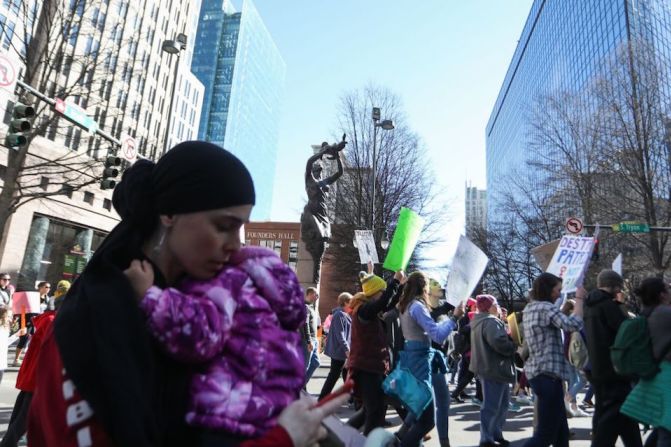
x=242, y=327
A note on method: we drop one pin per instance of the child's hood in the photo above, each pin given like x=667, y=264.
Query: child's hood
x=276, y=282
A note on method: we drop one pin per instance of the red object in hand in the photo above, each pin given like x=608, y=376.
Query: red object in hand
x=345, y=389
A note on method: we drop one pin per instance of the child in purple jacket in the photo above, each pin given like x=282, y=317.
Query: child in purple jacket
x=242, y=327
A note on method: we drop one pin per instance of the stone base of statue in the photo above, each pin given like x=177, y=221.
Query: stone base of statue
x=305, y=266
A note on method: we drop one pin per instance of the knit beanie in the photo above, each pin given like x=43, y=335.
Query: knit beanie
x=485, y=302
x=371, y=283
x=470, y=303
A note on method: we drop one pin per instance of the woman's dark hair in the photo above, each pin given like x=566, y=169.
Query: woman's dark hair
x=543, y=285
x=650, y=291
x=413, y=289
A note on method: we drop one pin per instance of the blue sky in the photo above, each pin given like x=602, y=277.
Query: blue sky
x=446, y=59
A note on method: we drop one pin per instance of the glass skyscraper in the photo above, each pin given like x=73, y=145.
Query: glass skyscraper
x=564, y=47
x=243, y=73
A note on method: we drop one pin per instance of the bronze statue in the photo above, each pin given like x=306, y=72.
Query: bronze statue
x=315, y=223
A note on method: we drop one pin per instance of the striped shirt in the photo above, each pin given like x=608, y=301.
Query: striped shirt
x=543, y=323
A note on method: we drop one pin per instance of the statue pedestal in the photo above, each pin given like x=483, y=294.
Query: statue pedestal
x=304, y=267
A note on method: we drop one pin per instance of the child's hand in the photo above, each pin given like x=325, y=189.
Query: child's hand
x=141, y=276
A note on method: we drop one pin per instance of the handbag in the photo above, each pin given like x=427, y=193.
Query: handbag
x=414, y=393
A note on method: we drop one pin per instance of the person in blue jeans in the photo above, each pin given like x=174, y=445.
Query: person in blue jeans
x=425, y=363
x=547, y=367
x=492, y=354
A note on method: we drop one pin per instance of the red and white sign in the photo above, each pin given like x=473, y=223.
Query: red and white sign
x=129, y=148
x=7, y=73
x=574, y=225
x=60, y=106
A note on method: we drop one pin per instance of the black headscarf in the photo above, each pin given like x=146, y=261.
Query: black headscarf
x=138, y=393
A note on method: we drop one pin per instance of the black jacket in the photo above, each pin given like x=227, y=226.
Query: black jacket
x=602, y=316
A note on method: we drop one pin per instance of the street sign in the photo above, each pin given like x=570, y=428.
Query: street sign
x=574, y=225
x=128, y=148
x=7, y=73
x=631, y=227
x=76, y=114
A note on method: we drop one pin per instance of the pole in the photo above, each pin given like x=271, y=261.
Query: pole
x=372, y=181
x=172, y=99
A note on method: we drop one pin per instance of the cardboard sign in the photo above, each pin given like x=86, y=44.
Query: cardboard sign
x=408, y=229
x=570, y=261
x=617, y=264
x=26, y=301
x=543, y=254
x=467, y=267
x=366, y=245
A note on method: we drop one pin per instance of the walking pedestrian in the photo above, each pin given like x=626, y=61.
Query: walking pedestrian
x=309, y=333
x=650, y=400
x=426, y=363
x=603, y=316
x=6, y=290
x=547, y=367
x=368, y=356
x=337, y=343
x=492, y=352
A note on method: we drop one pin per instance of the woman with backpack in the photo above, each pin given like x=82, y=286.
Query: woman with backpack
x=546, y=366
x=650, y=401
x=575, y=350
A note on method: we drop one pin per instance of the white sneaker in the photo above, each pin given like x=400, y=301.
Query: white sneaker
x=577, y=412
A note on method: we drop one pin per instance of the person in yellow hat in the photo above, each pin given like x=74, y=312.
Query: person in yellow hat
x=368, y=356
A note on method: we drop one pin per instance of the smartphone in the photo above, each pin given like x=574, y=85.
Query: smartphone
x=345, y=389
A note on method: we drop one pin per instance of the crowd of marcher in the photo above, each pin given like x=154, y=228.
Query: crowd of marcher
x=175, y=334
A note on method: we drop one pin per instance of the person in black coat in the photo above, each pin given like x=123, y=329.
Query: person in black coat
x=603, y=316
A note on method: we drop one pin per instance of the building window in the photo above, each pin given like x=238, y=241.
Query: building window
x=67, y=190
x=89, y=197
x=107, y=204
x=44, y=183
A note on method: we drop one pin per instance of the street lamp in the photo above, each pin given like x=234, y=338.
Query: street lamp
x=173, y=47
x=386, y=125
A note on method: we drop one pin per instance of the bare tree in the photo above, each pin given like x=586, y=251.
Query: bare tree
x=403, y=178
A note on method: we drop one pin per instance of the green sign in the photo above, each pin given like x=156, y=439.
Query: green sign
x=406, y=235
x=76, y=114
x=631, y=227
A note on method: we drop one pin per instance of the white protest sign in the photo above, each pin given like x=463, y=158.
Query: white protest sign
x=366, y=245
x=467, y=267
x=570, y=261
x=617, y=264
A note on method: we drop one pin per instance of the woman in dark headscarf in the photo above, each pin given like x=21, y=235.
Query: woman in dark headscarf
x=106, y=382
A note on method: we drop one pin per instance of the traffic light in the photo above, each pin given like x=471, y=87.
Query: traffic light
x=112, y=163
x=19, y=125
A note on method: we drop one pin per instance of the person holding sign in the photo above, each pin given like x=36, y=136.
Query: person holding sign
x=368, y=356
x=425, y=363
x=547, y=367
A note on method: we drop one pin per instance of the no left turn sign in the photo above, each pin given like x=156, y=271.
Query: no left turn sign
x=7, y=73
x=574, y=225
x=129, y=148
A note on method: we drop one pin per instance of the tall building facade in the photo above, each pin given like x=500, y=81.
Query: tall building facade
x=476, y=209
x=243, y=74
x=106, y=57
x=564, y=47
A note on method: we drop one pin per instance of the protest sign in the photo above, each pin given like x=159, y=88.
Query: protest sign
x=543, y=254
x=408, y=229
x=570, y=261
x=617, y=264
x=467, y=267
x=366, y=245
x=28, y=302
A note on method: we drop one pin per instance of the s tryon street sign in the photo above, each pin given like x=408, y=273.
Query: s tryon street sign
x=76, y=114
x=631, y=227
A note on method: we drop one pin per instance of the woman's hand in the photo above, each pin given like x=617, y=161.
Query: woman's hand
x=401, y=277
x=459, y=311
x=302, y=420
x=141, y=276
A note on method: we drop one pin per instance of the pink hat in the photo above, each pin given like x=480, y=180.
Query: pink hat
x=485, y=302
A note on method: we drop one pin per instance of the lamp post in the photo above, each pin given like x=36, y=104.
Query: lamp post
x=173, y=47
x=386, y=125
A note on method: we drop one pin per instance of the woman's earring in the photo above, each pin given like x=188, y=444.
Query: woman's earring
x=159, y=244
